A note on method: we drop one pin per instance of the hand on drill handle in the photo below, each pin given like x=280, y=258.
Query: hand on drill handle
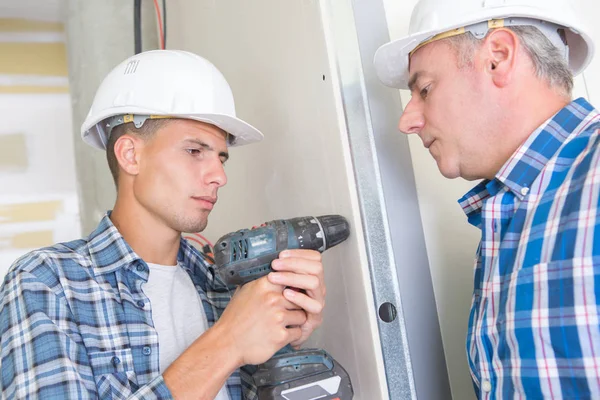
x=266, y=314
x=259, y=321
x=302, y=269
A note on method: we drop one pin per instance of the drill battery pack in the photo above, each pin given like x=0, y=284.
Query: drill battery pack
x=303, y=375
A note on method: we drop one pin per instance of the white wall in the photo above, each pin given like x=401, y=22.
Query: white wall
x=38, y=197
x=451, y=241
x=46, y=178
x=273, y=55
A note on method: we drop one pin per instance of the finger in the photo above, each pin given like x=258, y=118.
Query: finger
x=306, y=282
x=295, y=345
x=278, y=301
x=301, y=253
x=294, y=334
x=298, y=265
x=310, y=305
x=295, y=318
x=306, y=332
x=265, y=284
x=288, y=305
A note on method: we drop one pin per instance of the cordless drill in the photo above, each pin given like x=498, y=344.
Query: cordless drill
x=246, y=255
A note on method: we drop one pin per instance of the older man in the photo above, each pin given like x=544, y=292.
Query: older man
x=491, y=86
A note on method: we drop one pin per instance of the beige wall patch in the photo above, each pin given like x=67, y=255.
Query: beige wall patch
x=33, y=89
x=27, y=240
x=13, y=152
x=25, y=25
x=29, y=212
x=45, y=59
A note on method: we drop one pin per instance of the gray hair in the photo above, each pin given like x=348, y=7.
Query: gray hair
x=548, y=62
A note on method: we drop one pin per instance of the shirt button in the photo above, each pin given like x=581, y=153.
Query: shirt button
x=140, y=304
x=141, y=268
x=524, y=191
x=147, y=350
x=116, y=361
x=486, y=386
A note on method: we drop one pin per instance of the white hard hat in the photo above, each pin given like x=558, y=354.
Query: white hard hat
x=165, y=83
x=435, y=19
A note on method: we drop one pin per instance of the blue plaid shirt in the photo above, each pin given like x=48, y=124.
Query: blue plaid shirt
x=75, y=323
x=534, y=327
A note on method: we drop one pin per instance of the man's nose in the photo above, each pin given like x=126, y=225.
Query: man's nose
x=411, y=120
x=217, y=174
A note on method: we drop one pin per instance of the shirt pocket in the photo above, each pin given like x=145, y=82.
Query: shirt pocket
x=114, y=373
x=543, y=293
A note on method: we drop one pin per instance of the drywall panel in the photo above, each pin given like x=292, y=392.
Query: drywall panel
x=274, y=56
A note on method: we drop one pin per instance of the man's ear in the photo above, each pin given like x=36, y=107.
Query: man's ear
x=500, y=52
x=127, y=152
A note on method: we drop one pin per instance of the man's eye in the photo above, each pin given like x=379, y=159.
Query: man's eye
x=194, y=152
x=424, y=92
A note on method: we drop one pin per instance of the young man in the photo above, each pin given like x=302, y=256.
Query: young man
x=491, y=89
x=134, y=311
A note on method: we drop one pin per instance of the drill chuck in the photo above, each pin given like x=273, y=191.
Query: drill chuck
x=335, y=228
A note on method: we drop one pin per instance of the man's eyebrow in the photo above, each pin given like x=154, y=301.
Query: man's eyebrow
x=413, y=80
x=222, y=154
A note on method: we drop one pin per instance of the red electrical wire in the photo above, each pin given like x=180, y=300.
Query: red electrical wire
x=160, y=25
x=198, y=238
x=195, y=240
x=205, y=239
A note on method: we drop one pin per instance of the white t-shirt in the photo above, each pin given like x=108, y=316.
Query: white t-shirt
x=177, y=313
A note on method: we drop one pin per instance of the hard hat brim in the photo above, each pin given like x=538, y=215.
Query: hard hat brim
x=391, y=60
x=243, y=132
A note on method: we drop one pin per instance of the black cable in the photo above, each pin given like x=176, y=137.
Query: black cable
x=164, y=23
x=137, y=25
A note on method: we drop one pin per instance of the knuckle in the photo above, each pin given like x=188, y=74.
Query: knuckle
x=279, y=317
x=298, y=334
x=313, y=283
x=281, y=336
x=272, y=299
x=265, y=283
x=261, y=284
x=319, y=308
x=302, y=317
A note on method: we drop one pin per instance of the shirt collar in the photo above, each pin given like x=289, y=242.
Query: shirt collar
x=526, y=163
x=109, y=251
